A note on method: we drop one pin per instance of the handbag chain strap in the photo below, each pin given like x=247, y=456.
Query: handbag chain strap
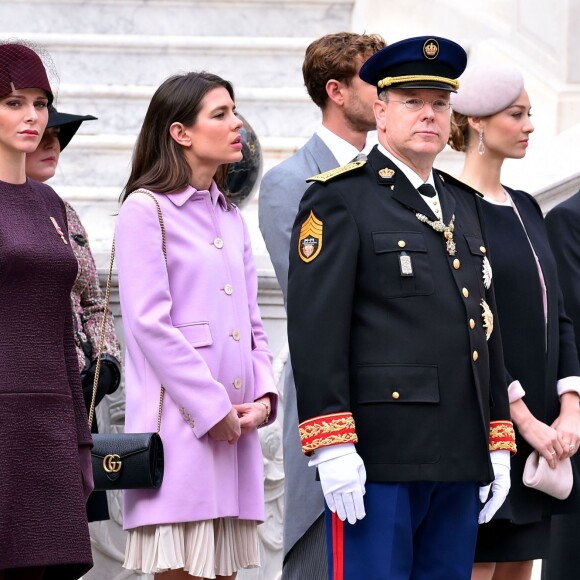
x=103, y=323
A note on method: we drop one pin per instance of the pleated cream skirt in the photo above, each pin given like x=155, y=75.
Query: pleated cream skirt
x=207, y=548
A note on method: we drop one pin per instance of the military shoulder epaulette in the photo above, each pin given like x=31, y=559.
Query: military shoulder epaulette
x=328, y=175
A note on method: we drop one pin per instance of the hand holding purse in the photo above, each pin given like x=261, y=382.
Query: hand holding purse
x=126, y=460
x=555, y=482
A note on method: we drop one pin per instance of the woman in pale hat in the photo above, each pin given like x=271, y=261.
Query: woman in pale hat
x=87, y=300
x=45, y=461
x=492, y=123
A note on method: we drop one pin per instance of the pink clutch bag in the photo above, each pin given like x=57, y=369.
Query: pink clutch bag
x=555, y=482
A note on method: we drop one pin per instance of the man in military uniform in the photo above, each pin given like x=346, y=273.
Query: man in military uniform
x=330, y=71
x=399, y=372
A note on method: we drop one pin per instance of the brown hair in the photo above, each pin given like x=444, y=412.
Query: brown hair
x=336, y=56
x=158, y=162
x=459, y=134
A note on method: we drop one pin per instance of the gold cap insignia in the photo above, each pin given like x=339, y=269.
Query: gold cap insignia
x=487, y=316
x=431, y=49
x=386, y=172
x=310, y=240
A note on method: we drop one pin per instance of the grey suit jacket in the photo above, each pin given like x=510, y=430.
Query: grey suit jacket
x=280, y=193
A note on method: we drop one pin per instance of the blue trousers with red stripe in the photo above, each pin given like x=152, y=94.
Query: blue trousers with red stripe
x=411, y=531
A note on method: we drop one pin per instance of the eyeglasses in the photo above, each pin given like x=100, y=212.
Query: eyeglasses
x=415, y=104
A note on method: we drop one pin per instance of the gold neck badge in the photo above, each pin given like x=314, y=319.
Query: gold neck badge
x=446, y=230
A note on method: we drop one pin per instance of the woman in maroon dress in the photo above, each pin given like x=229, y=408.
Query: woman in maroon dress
x=45, y=470
x=87, y=298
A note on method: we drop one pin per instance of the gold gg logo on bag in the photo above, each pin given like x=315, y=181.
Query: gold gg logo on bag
x=112, y=463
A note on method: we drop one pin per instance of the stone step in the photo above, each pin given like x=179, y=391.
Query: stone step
x=120, y=109
x=166, y=17
x=101, y=161
x=148, y=60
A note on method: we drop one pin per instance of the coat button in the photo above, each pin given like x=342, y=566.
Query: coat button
x=482, y=249
x=471, y=323
x=237, y=383
x=395, y=395
x=401, y=243
x=236, y=335
x=456, y=264
x=475, y=355
x=465, y=292
x=229, y=289
x=218, y=243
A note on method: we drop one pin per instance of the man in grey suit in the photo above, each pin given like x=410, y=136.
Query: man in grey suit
x=330, y=73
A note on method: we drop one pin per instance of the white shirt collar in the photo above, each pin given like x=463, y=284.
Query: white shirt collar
x=342, y=150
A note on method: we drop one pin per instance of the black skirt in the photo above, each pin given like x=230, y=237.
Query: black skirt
x=503, y=541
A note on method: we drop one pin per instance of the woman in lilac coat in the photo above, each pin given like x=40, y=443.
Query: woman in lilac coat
x=193, y=325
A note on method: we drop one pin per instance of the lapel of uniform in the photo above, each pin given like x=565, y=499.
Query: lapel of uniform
x=445, y=198
x=397, y=184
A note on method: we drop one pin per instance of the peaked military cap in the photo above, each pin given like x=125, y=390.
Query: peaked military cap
x=423, y=62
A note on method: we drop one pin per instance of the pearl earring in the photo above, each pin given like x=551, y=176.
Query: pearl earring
x=480, y=145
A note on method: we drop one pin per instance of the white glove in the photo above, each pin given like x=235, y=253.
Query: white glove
x=342, y=476
x=500, y=486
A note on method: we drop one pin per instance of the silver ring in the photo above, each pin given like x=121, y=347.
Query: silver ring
x=571, y=449
x=553, y=453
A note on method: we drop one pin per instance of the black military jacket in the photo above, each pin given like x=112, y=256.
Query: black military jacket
x=386, y=328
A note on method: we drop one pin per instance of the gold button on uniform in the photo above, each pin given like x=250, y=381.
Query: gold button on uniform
x=218, y=243
x=395, y=395
x=465, y=292
x=471, y=323
x=401, y=244
x=236, y=335
x=482, y=249
x=229, y=289
x=456, y=264
x=475, y=355
x=237, y=383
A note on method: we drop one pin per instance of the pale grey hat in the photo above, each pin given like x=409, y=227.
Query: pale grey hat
x=486, y=89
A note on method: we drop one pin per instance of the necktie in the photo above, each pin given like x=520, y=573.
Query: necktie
x=360, y=157
x=427, y=190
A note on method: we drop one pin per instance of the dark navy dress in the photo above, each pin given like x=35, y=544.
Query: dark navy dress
x=537, y=354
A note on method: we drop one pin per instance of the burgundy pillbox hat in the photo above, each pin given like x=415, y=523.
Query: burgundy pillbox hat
x=22, y=68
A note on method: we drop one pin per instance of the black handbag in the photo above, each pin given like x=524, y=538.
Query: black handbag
x=126, y=460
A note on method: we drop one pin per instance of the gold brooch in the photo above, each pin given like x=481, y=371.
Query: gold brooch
x=487, y=273
x=58, y=230
x=487, y=316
